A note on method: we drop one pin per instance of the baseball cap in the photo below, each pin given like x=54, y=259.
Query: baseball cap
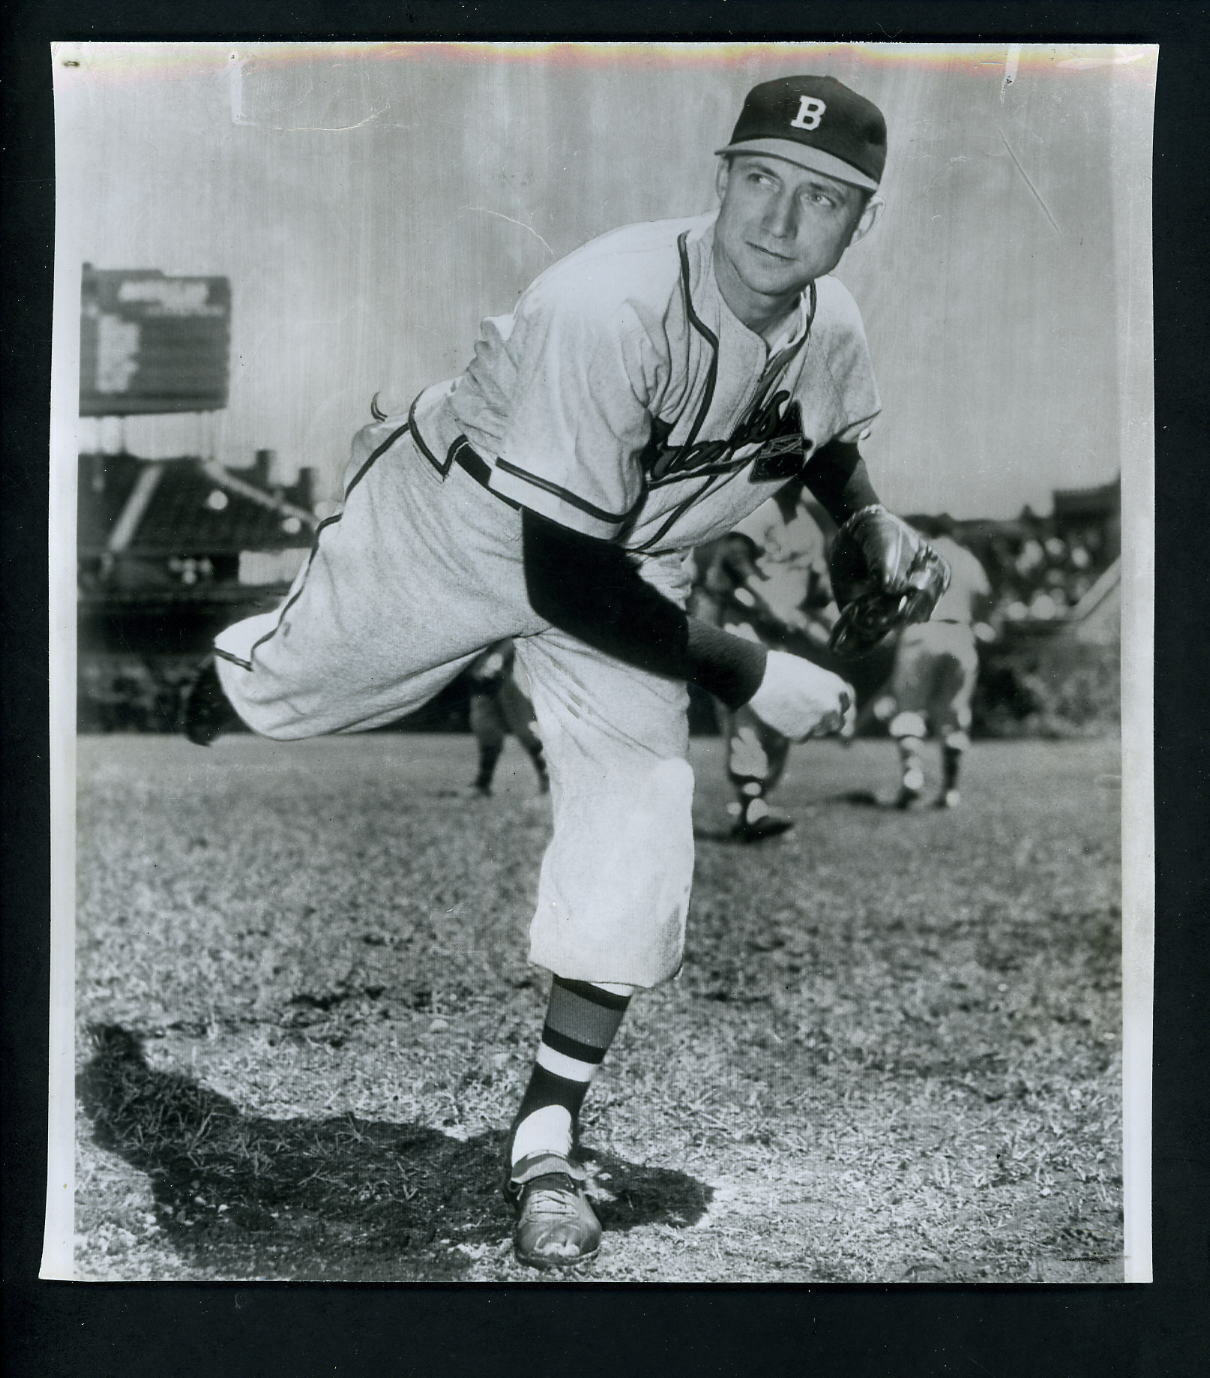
x=816, y=122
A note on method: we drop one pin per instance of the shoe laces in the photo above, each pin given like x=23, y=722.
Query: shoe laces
x=555, y=1195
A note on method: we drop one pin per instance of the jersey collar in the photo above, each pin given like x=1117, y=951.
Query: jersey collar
x=710, y=304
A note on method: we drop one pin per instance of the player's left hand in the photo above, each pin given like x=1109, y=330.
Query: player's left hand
x=884, y=576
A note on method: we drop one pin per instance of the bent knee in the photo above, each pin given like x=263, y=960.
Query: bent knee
x=274, y=718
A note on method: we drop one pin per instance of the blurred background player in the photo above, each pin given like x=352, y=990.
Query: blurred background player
x=767, y=581
x=936, y=668
x=498, y=706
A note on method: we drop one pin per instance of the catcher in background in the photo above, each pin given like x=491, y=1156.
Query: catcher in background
x=936, y=668
x=767, y=581
x=498, y=705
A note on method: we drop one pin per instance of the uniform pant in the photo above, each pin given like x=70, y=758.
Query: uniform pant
x=936, y=667
x=415, y=575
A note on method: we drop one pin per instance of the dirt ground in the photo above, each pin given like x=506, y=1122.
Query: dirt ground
x=304, y=1017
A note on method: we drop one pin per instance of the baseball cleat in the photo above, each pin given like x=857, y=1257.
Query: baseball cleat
x=910, y=790
x=208, y=714
x=754, y=826
x=948, y=799
x=556, y=1226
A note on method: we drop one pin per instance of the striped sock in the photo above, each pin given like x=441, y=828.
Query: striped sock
x=581, y=1021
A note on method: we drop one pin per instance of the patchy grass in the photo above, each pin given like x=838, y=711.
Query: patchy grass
x=305, y=1017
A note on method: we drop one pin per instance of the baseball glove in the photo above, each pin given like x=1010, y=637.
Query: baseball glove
x=884, y=575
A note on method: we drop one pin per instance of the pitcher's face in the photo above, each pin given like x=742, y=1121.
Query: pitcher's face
x=780, y=226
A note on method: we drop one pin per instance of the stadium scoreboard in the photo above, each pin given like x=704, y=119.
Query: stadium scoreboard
x=152, y=343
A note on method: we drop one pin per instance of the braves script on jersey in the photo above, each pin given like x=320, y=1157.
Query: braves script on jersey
x=937, y=662
x=623, y=399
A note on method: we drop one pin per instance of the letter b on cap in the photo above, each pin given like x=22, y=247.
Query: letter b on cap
x=810, y=112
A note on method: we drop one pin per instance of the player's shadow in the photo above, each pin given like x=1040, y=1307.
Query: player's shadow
x=723, y=835
x=861, y=798
x=343, y=1198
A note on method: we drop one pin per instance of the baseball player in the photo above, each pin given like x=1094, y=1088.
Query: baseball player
x=934, y=676
x=768, y=578
x=643, y=395
x=498, y=705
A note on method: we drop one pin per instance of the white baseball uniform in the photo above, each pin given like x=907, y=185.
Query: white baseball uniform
x=790, y=555
x=622, y=399
x=937, y=662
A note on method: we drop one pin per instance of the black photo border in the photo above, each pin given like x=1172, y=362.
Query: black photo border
x=54, y=1328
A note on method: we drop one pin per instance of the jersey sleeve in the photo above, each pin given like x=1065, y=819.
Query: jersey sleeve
x=580, y=414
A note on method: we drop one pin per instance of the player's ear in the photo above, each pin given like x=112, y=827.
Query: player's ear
x=722, y=175
x=867, y=219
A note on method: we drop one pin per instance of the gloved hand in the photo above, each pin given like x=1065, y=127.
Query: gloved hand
x=884, y=575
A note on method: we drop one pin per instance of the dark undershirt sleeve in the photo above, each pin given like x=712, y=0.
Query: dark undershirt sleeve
x=592, y=589
x=836, y=475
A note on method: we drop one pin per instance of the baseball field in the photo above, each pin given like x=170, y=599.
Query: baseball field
x=304, y=1017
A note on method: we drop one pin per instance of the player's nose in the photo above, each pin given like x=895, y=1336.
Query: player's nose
x=780, y=218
